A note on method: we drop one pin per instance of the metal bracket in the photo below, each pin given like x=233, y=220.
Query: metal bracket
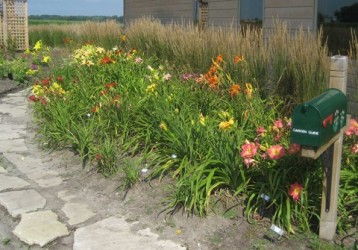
x=327, y=160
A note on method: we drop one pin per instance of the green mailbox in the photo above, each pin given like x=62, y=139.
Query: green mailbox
x=315, y=122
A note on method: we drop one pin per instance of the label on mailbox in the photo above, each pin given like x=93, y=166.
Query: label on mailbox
x=315, y=122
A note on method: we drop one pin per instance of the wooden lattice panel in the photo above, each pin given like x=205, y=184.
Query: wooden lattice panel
x=14, y=23
x=1, y=24
x=204, y=10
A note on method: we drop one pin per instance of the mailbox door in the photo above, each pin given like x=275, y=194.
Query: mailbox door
x=306, y=128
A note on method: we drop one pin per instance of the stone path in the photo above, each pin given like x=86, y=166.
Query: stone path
x=37, y=207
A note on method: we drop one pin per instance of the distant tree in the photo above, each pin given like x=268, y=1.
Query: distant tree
x=348, y=14
x=76, y=18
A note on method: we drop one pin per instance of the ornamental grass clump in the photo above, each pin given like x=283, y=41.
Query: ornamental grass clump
x=293, y=65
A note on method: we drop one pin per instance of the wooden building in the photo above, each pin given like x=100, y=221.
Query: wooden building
x=296, y=13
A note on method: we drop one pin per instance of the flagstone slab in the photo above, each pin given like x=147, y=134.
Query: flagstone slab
x=115, y=233
x=14, y=145
x=63, y=195
x=12, y=131
x=10, y=182
x=50, y=181
x=40, y=228
x=19, y=202
x=14, y=100
x=13, y=111
x=77, y=213
x=24, y=163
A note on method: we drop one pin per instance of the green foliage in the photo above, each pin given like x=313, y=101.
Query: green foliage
x=348, y=197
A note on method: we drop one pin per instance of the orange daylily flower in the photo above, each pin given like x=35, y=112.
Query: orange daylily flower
x=249, y=90
x=235, y=90
x=219, y=59
x=95, y=109
x=212, y=70
x=238, y=59
x=110, y=85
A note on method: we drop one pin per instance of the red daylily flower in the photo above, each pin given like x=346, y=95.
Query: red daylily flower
x=354, y=149
x=98, y=157
x=249, y=162
x=294, y=149
x=45, y=81
x=261, y=131
x=295, y=191
x=33, y=98
x=277, y=125
x=106, y=60
x=43, y=101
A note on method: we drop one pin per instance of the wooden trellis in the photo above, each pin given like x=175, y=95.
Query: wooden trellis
x=14, y=24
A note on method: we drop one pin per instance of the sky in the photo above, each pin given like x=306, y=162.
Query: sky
x=249, y=8
x=76, y=7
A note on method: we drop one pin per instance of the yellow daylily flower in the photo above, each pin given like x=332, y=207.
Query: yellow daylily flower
x=225, y=125
x=38, y=45
x=46, y=59
x=38, y=90
x=151, y=88
x=163, y=126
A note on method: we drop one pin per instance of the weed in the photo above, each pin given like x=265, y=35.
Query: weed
x=130, y=169
x=6, y=241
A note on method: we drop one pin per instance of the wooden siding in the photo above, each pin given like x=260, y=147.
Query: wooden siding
x=223, y=12
x=296, y=13
x=165, y=10
x=220, y=12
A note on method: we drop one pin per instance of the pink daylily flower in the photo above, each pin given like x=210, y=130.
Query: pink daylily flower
x=276, y=152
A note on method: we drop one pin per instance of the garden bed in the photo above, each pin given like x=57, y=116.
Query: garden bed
x=216, y=135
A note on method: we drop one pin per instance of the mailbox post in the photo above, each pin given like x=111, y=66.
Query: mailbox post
x=318, y=126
